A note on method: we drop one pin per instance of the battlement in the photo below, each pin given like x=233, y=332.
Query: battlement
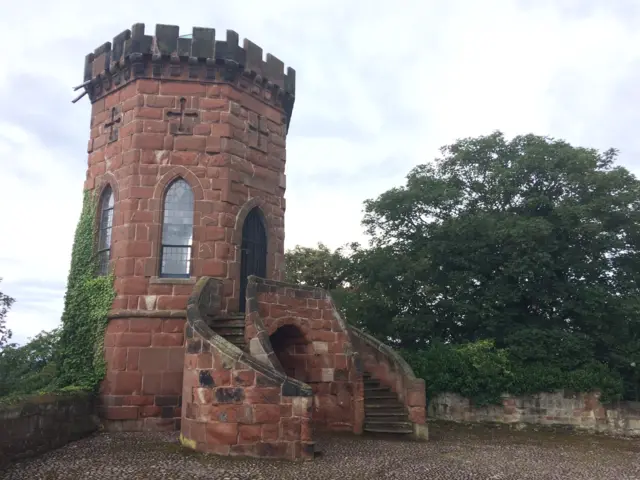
x=201, y=58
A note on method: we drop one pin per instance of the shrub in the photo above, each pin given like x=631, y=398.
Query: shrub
x=477, y=371
x=483, y=373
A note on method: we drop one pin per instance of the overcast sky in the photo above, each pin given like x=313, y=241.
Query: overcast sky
x=380, y=86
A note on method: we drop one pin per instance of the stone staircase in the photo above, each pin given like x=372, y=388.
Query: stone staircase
x=383, y=411
x=230, y=327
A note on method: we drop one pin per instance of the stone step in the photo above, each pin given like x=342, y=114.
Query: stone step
x=388, y=406
x=394, y=415
x=235, y=339
x=393, y=430
x=386, y=420
x=386, y=423
x=387, y=415
x=228, y=331
x=376, y=389
x=380, y=395
x=228, y=322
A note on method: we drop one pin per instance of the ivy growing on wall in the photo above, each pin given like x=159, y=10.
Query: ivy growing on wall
x=86, y=306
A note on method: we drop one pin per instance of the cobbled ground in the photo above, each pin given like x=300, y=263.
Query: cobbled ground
x=453, y=452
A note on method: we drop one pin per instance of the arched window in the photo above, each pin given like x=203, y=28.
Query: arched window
x=177, y=230
x=104, y=234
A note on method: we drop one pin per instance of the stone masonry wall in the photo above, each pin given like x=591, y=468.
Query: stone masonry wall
x=227, y=175
x=581, y=411
x=143, y=386
x=41, y=423
x=233, y=404
x=322, y=357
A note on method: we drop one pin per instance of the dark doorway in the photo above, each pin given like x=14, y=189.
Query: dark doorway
x=253, y=257
x=290, y=346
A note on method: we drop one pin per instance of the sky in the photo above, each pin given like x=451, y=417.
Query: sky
x=380, y=87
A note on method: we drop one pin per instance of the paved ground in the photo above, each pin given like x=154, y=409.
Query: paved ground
x=454, y=452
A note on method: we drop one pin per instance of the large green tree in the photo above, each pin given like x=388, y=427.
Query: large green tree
x=505, y=239
x=5, y=304
x=317, y=267
x=324, y=268
x=30, y=367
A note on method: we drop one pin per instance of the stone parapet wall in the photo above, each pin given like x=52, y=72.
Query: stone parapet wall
x=322, y=357
x=390, y=369
x=580, y=411
x=232, y=403
x=40, y=423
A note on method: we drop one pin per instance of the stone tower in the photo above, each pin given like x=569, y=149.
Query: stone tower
x=187, y=156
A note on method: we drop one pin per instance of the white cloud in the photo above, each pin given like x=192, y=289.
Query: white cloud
x=380, y=87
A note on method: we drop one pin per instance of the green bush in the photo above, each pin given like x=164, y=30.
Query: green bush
x=482, y=373
x=477, y=371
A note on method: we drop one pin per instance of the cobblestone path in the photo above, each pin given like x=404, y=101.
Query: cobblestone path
x=454, y=452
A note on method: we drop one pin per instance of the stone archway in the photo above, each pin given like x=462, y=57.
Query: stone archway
x=291, y=348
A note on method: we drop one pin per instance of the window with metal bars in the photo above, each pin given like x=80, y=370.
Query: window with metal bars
x=177, y=231
x=104, y=234
x=253, y=257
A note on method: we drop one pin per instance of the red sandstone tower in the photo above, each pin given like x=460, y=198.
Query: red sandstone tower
x=187, y=156
x=187, y=144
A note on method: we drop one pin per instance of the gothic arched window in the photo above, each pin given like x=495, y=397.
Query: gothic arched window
x=104, y=234
x=177, y=230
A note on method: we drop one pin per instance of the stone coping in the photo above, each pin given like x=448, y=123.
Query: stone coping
x=405, y=368
x=147, y=314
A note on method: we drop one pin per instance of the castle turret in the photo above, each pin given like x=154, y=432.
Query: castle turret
x=187, y=156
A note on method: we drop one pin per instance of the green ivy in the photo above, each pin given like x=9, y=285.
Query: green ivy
x=80, y=357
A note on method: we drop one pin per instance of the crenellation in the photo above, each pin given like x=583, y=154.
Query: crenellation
x=203, y=43
x=133, y=55
x=253, y=62
x=229, y=52
x=290, y=81
x=118, y=48
x=88, y=67
x=166, y=40
x=101, y=59
x=139, y=43
x=184, y=47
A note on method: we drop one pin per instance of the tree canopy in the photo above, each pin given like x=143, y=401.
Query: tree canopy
x=531, y=243
x=5, y=304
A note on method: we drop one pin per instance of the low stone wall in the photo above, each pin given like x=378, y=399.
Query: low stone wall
x=44, y=422
x=581, y=411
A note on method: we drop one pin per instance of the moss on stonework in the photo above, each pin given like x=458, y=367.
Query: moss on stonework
x=87, y=302
x=187, y=442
